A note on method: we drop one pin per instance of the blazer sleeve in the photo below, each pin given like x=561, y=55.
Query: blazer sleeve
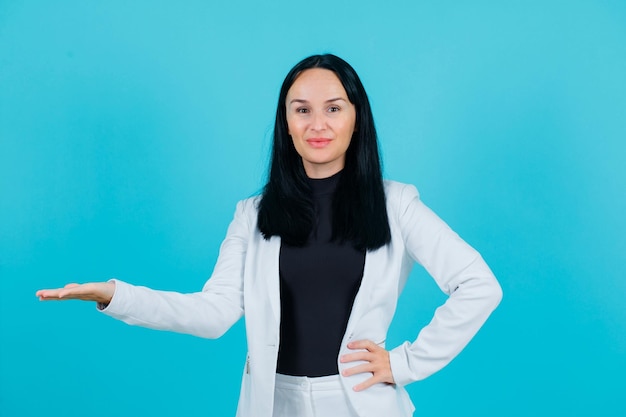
x=460, y=272
x=209, y=313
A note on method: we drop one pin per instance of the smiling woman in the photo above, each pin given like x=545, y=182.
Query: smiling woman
x=317, y=263
x=321, y=120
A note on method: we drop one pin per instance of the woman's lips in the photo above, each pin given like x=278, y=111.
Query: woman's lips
x=318, y=142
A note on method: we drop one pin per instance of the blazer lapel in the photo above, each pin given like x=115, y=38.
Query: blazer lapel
x=269, y=273
x=372, y=271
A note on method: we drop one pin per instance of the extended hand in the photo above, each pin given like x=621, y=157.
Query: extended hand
x=101, y=292
x=378, y=364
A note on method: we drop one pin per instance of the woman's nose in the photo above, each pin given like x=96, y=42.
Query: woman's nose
x=318, y=121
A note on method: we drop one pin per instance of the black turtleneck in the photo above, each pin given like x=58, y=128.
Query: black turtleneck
x=318, y=284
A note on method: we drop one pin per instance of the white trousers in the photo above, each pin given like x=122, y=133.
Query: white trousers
x=301, y=396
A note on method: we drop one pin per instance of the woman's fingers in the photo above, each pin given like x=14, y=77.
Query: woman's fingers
x=72, y=291
x=101, y=292
x=367, y=383
x=358, y=356
x=71, y=285
x=359, y=369
x=50, y=294
x=376, y=361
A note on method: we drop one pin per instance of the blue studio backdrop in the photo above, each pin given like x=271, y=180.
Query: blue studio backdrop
x=130, y=129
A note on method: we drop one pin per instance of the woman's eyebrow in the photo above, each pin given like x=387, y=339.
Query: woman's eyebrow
x=336, y=99
x=299, y=100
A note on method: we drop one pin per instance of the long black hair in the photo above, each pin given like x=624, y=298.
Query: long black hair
x=359, y=213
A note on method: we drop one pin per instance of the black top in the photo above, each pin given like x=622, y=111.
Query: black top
x=318, y=284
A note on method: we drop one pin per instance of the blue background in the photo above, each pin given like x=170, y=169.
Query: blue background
x=128, y=131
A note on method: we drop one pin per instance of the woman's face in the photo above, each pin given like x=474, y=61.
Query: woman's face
x=320, y=120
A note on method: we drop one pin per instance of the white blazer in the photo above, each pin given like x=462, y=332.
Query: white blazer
x=246, y=280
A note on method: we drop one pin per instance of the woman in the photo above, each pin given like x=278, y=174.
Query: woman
x=317, y=263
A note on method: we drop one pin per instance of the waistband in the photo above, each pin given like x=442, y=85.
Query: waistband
x=305, y=383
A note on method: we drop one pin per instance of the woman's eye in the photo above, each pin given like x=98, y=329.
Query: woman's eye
x=302, y=110
x=333, y=109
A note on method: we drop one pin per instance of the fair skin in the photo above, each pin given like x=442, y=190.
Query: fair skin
x=321, y=121
x=100, y=292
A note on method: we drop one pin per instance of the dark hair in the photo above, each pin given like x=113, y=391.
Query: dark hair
x=359, y=213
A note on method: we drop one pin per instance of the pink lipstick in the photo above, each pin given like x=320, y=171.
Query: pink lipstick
x=318, y=142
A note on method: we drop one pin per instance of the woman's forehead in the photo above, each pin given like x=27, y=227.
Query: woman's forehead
x=316, y=84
